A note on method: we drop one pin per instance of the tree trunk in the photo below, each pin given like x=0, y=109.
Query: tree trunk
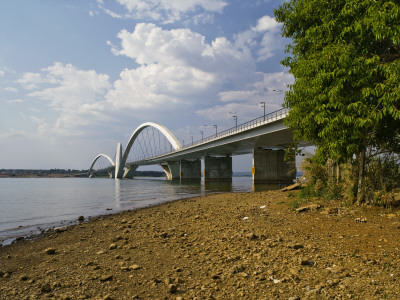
x=360, y=186
x=337, y=173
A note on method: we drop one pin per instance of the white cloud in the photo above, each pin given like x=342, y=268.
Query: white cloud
x=149, y=86
x=265, y=37
x=72, y=93
x=245, y=102
x=10, y=89
x=2, y=73
x=178, y=72
x=15, y=101
x=69, y=86
x=169, y=11
x=149, y=44
x=266, y=23
x=264, y=90
x=31, y=81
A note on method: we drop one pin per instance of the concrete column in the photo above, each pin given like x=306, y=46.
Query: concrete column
x=119, y=168
x=218, y=168
x=129, y=171
x=171, y=169
x=190, y=169
x=269, y=166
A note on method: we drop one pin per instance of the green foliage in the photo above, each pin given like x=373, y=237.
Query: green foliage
x=345, y=58
x=295, y=203
x=339, y=181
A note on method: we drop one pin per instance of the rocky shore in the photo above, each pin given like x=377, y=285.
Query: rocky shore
x=223, y=246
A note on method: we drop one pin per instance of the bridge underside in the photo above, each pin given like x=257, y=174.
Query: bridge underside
x=269, y=166
x=264, y=140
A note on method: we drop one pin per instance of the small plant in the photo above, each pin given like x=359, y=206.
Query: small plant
x=295, y=203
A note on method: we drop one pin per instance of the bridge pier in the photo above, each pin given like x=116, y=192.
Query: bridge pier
x=129, y=171
x=184, y=169
x=190, y=169
x=218, y=168
x=269, y=166
x=171, y=169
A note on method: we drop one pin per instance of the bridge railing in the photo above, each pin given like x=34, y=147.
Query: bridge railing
x=265, y=119
x=268, y=118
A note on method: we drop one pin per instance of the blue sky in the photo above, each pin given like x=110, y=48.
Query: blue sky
x=77, y=77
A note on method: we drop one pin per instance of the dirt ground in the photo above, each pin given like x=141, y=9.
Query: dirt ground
x=223, y=246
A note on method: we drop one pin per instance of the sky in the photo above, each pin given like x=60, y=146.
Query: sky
x=77, y=77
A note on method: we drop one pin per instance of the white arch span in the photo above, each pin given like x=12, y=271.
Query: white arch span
x=164, y=130
x=96, y=158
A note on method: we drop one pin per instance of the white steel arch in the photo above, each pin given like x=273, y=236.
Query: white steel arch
x=96, y=158
x=164, y=130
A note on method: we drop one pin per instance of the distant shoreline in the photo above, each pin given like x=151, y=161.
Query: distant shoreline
x=61, y=173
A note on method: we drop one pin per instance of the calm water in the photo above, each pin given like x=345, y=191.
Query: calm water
x=29, y=205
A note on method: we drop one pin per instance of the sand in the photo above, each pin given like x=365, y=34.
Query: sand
x=222, y=246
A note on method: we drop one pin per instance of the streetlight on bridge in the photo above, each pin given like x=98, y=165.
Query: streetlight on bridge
x=235, y=117
x=201, y=135
x=263, y=105
x=215, y=126
x=277, y=92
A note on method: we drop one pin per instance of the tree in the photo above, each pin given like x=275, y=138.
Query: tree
x=345, y=58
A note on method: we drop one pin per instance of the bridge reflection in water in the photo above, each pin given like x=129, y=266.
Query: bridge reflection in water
x=151, y=143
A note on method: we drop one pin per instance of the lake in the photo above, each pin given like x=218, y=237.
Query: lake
x=31, y=205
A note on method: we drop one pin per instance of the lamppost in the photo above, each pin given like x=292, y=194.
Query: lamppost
x=215, y=126
x=235, y=117
x=183, y=142
x=263, y=105
x=201, y=135
x=276, y=98
x=192, y=138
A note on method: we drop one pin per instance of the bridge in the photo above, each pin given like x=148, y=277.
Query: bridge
x=151, y=144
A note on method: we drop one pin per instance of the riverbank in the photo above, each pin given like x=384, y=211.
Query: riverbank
x=223, y=246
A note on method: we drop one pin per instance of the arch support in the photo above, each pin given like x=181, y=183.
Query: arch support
x=119, y=173
x=95, y=160
x=119, y=168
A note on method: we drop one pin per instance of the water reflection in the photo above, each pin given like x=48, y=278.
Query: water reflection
x=218, y=186
x=262, y=187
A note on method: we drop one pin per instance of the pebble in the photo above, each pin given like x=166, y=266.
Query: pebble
x=251, y=236
x=24, y=278
x=113, y=247
x=81, y=218
x=135, y=267
x=163, y=235
x=312, y=207
x=50, y=251
x=46, y=288
x=173, y=288
x=106, y=278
